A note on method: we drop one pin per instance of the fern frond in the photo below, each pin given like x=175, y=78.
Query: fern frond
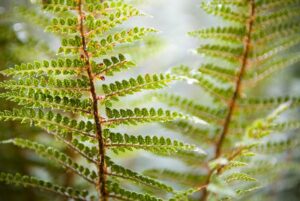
x=226, y=53
x=127, y=87
x=241, y=3
x=206, y=113
x=183, y=178
x=55, y=87
x=112, y=65
x=118, y=193
x=203, y=136
x=221, y=73
x=253, y=104
x=55, y=155
x=192, y=158
x=239, y=177
x=29, y=181
x=226, y=34
x=118, y=142
x=42, y=100
x=49, y=121
x=53, y=67
x=225, y=12
x=183, y=195
x=272, y=147
x=121, y=172
x=106, y=45
x=219, y=93
x=138, y=115
x=271, y=67
x=279, y=16
x=270, y=5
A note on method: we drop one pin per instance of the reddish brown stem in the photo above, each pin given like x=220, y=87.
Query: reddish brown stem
x=103, y=194
x=236, y=94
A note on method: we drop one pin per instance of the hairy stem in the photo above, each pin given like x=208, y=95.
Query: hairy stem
x=236, y=94
x=103, y=194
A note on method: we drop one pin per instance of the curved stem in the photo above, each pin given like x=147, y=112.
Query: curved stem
x=236, y=94
x=101, y=166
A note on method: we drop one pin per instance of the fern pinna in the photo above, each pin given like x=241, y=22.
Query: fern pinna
x=257, y=42
x=62, y=97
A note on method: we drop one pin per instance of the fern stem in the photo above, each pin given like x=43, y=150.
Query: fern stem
x=232, y=103
x=103, y=195
x=238, y=84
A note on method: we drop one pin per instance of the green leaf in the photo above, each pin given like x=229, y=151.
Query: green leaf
x=55, y=155
x=128, y=87
x=29, y=181
x=138, y=115
x=123, y=173
x=51, y=122
x=186, y=179
x=41, y=100
x=118, y=193
x=46, y=67
x=110, y=66
x=206, y=113
x=225, y=12
x=118, y=142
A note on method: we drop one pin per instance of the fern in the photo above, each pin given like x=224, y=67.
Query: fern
x=60, y=95
x=256, y=43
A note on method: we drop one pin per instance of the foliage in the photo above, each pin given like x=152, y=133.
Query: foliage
x=242, y=128
x=61, y=96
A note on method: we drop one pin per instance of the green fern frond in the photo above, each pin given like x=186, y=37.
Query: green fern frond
x=53, y=154
x=127, y=87
x=138, y=115
x=183, y=195
x=225, y=12
x=217, y=92
x=56, y=87
x=239, y=177
x=49, y=121
x=112, y=65
x=118, y=142
x=272, y=147
x=121, y=172
x=227, y=34
x=42, y=100
x=226, y=53
x=29, y=181
x=118, y=193
x=183, y=178
x=221, y=73
x=201, y=135
x=53, y=67
x=206, y=113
